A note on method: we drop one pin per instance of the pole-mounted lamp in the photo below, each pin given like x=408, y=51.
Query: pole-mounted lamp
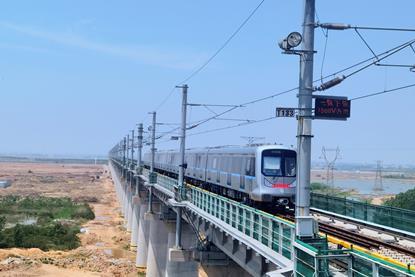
x=291, y=41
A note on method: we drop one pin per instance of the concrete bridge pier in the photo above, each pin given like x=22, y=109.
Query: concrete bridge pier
x=126, y=202
x=179, y=262
x=117, y=186
x=130, y=207
x=118, y=191
x=123, y=194
x=157, y=246
x=135, y=218
x=143, y=234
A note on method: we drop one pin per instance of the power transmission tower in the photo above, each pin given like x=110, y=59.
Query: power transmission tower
x=378, y=179
x=330, y=163
x=251, y=139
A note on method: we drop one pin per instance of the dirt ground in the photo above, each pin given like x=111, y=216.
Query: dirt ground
x=104, y=247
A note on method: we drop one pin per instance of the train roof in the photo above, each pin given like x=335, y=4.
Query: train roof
x=232, y=149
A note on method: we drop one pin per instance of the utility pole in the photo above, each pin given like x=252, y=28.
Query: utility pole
x=132, y=149
x=140, y=145
x=124, y=147
x=182, y=142
x=153, y=175
x=153, y=141
x=378, y=179
x=330, y=163
x=180, y=190
x=304, y=226
x=128, y=150
x=139, y=170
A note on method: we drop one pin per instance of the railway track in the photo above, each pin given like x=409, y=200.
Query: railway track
x=355, y=238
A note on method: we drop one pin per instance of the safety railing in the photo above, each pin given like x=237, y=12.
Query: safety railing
x=312, y=262
x=387, y=216
x=162, y=180
x=269, y=230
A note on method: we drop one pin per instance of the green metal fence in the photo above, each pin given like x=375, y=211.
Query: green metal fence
x=313, y=262
x=162, y=180
x=269, y=230
x=388, y=216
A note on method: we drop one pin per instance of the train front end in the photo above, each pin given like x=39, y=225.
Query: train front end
x=276, y=168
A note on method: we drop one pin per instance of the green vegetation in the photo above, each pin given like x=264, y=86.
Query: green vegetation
x=403, y=200
x=319, y=186
x=57, y=220
x=326, y=189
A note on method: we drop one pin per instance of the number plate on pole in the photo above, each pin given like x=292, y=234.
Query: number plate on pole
x=285, y=112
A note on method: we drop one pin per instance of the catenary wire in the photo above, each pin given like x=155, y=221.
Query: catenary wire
x=383, y=55
x=200, y=68
x=232, y=126
x=382, y=92
x=269, y=118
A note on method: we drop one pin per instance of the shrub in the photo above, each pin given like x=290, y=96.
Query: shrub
x=403, y=200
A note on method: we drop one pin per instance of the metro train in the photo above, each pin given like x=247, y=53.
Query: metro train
x=263, y=175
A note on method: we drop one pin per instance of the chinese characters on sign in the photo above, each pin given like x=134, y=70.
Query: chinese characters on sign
x=331, y=107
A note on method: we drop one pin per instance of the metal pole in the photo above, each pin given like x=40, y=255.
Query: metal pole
x=140, y=144
x=128, y=150
x=124, y=147
x=153, y=142
x=123, y=151
x=132, y=149
x=181, y=168
x=139, y=152
x=304, y=226
x=182, y=142
x=153, y=153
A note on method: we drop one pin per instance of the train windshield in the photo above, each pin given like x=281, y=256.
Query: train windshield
x=280, y=163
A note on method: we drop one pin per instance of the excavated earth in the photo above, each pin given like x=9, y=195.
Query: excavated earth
x=104, y=249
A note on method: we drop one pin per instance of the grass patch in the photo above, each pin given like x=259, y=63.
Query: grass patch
x=326, y=189
x=57, y=224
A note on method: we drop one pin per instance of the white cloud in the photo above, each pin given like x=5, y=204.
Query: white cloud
x=139, y=53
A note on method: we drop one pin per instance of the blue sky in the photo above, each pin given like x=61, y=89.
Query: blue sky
x=76, y=76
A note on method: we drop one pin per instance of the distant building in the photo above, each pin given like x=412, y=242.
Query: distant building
x=5, y=183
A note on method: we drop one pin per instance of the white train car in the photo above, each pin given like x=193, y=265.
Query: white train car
x=264, y=175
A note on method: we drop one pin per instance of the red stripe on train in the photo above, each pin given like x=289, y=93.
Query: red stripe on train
x=281, y=186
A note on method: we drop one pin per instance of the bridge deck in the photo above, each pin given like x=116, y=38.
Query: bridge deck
x=264, y=242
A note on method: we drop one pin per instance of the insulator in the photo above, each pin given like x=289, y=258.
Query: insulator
x=335, y=26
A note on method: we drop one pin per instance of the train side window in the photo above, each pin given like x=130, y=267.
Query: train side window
x=198, y=161
x=220, y=163
x=209, y=163
x=224, y=163
x=247, y=166
x=192, y=160
x=228, y=164
x=233, y=165
x=236, y=165
x=252, y=170
x=204, y=160
x=241, y=165
x=214, y=163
